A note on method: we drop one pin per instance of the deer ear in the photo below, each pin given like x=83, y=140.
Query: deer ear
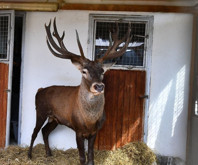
x=77, y=64
x=107, y=66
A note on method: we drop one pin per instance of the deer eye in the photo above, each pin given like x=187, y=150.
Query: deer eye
x=84, y=71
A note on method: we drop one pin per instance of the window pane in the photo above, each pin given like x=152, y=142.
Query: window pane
x=3, y=36
x=134, y=55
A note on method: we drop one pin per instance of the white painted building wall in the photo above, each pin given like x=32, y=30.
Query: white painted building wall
x=168, y=102
x=168, y=107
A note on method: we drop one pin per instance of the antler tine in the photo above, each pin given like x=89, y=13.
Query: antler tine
x=112, y=35
x=59, y=51
x=117, y=42
x=48, y=44
x=50, y=39
x=79, y=45
x=127, y=37
x=56, y=35
x=112, y=52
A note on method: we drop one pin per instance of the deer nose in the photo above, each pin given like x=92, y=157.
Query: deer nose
x=99, y=87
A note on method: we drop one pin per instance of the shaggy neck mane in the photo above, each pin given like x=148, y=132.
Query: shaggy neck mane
x=90, y=105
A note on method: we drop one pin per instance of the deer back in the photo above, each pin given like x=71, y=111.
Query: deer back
x=57, y=102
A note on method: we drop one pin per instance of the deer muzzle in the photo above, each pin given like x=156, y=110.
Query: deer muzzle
x=97, y=88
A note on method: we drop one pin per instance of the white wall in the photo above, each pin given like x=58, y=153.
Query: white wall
x=168, y=102
x=167, y=124
x=41, y=69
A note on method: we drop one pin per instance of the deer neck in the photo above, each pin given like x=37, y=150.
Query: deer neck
x=91, y=106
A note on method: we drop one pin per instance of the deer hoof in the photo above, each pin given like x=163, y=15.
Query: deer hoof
x=29, y=155
x=90, y=163
x=49, y=154
x=82, y=161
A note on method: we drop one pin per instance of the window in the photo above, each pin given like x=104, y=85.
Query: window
x=5, y=34
x=135, y=55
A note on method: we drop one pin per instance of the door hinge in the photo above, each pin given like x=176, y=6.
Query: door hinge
x=141, y=36
x=7, y=90
x=144, y=96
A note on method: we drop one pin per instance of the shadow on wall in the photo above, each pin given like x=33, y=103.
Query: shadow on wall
x=167, y=133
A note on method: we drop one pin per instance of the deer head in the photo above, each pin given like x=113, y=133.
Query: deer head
x=92, y=71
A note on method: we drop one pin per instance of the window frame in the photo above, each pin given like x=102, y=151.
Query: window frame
x=148, y=20
x=9, y=15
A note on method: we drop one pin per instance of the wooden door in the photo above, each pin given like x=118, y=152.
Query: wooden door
x=124, y=107
x=6, y=54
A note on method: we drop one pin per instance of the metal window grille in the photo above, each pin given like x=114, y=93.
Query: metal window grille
x=3, y=36
x=134, y=55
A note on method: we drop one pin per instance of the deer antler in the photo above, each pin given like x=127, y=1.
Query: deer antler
x=60, y=50
x=111, y=51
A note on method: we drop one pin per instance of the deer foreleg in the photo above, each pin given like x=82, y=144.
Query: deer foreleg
x=91, y=141
x=81, y=148
x=101, y=121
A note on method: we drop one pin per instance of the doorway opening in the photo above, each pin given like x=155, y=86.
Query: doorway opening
x=16, y=77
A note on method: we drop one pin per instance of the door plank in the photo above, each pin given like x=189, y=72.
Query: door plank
x=141, y=90
x=142, y=86
x=126, y=102
x=3, y=102
x=112, y=99
x=132, y=107
x=120, y=94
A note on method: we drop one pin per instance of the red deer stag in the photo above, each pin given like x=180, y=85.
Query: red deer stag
x=79, y=107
